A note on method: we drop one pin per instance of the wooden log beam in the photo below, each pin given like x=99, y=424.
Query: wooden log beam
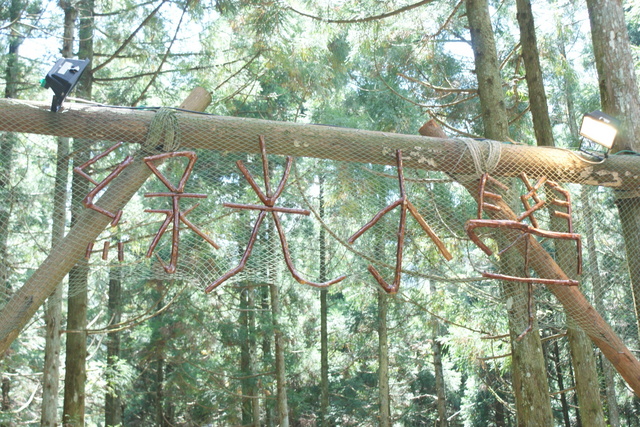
x=231, y=134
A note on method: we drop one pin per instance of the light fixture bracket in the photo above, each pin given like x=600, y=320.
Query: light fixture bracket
x=62, y=78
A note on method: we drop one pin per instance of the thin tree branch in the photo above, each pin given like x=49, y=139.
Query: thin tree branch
x=361, y=20
x=166, y=54
x=130, y=38
x=129, y=9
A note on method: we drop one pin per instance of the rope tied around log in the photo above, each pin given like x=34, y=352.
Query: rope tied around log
x=164, y=132
x=482, y=164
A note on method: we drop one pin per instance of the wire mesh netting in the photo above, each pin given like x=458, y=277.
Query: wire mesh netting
x=349, y=208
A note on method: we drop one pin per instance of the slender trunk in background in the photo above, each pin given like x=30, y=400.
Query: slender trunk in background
x=528, y=368
x=267, y=354
x=619, y=98
x=281, y=374
x=560, y=381
x=113, y=396
x=535, y=83
x=245, y=359
x=159, y=401
x=253, y=352
x=278, y=335
x=594, y=273
x=384, y=400
x=7, y=142
x=76, y=348
x=436, y=346
x=53, y=307
x=324, y=330
x=247, y=356
x=587, y=385
x=598, y=289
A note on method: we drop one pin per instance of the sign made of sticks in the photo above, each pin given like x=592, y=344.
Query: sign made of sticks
x=489, y=199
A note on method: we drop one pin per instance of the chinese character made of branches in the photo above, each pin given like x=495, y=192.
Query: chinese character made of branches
x=99, y=186
x=269, y=199
x=174, y=215
x=526, y=231
x=405, y=204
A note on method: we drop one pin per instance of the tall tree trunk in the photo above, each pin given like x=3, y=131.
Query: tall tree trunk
x=608, y=372
x=535, y=83
x=529, y=374
x=267, y=355
x=384, y=400
x=247, y=356
x=619, y=97
x=598, y=290
x=253, y=352
x=581, y=351
x=113, y=397
x=76, y=348
x=436, y=345
x=282, y=405
x=281, y=375
x=324, y=329
x=560, y=380
x=53, y=307
x=159, y=412
x=7, y=142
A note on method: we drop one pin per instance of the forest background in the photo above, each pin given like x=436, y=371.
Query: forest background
x=126, y=344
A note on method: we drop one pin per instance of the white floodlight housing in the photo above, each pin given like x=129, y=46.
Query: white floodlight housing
x=599, y=128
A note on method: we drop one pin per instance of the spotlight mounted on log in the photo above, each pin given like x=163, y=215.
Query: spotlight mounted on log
x=600, y=128
x=62, y=78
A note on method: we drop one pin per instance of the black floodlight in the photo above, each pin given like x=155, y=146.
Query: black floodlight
x=63, y=77
x=599, y=128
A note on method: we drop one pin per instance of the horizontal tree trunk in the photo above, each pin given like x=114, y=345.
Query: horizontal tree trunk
x=231, y=134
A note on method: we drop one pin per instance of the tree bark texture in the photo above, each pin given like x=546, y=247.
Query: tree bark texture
x=582, y=356
x=494, y=118
x=113, y=397
x=76, y=346
x=7, y=143
x=324, y=308
x=535, y=83
x=619, y=97
x=533, y=405
x=384, y=400
x=247, y=321
x=53, y=307
x=598, y=289
x=441, y=403
x=281, y=374
x=616, y=70
x=560, y=380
